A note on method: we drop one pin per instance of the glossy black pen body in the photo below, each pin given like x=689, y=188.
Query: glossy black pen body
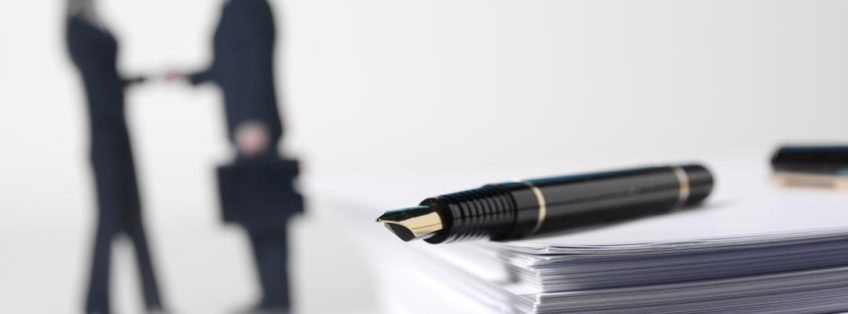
x=514, y=210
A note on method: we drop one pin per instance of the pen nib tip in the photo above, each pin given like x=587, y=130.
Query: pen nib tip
x=412, y=223
x=403, y=233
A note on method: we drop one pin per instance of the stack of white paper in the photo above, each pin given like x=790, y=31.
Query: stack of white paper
x=753, y=248
x=793, y=272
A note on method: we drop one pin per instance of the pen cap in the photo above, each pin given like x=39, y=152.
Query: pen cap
x=811, y=159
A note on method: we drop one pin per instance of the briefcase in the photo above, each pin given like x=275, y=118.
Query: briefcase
x=259, y=193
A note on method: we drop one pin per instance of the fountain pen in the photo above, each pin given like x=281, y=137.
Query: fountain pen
x=519, y=209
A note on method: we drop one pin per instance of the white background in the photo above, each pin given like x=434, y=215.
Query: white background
x=391, y=88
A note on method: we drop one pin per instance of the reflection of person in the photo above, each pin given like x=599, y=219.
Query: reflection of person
x=243, y=68
x=94, y=52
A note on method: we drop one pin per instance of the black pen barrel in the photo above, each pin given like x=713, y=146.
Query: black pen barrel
x=514, y=210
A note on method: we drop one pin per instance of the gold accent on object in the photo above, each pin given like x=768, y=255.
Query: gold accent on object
x=683, y=180
x=810, y=180
x=420, y=226
x=543, y=206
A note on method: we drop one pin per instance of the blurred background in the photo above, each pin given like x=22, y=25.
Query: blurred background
x=388, y=88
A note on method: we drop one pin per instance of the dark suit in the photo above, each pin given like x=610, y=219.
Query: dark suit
x=94, y=52
x=243, y=67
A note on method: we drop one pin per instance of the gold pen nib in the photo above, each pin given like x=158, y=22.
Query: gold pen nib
x=412, y=223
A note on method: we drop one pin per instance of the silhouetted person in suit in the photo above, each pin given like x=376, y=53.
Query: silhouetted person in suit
x=94, y=52
x=243, y=67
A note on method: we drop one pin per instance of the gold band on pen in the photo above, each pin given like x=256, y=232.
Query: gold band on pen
x=812, y=180
x=683, y=180
x=543, y=206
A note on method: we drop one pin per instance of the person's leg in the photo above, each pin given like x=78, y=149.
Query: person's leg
x=255, y=247
x=271, y=250
x=97, y=300
x=108, y=225
x=134, y=228
x=150, y=288
x=275, y=269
